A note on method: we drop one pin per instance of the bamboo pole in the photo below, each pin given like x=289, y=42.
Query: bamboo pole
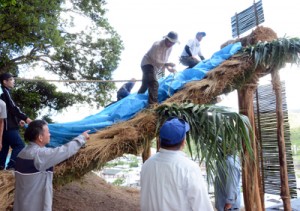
x=285, y=192
x=258, y=135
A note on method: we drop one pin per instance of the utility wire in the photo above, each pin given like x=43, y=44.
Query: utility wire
x=74, y=81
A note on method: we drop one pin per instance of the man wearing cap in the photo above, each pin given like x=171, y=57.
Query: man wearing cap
x=155, y=60
x=192, y=50
x=169, y=179
x=11, y=135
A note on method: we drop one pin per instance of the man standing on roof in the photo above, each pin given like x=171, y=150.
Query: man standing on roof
x=11, y=135
x=169, y=179
x=192, y=50
x=155, y=60
x=125, y=90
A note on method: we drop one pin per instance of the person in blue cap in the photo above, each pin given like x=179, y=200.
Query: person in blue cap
x=191, y=54
x=169, y=179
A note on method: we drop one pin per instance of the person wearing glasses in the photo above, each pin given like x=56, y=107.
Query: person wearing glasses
x=169, y=179
x=34, y=166
x=191, y=54
x=155, y=61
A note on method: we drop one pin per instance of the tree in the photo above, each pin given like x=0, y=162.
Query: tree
x=5, y=3
x=33, y=98
x=43, y=32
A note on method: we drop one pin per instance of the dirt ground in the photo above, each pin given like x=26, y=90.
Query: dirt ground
x=93, y=193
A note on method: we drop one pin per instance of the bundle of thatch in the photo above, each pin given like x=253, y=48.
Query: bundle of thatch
x=7, y=182
x=108, y=144
x=131, y=136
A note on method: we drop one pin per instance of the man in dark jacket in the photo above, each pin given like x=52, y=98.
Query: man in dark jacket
x=11, y=135
x=125, y=90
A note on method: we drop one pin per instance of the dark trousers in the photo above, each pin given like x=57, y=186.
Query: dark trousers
x=149, y=82
x=188, y=61
x=11, y=138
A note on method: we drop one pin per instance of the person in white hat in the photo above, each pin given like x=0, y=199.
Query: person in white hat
x=154, y=61
x=191, y=51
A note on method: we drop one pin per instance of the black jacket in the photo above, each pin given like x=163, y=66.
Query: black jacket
x=14, y=114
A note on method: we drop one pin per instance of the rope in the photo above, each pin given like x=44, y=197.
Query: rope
x=171, y=84
x=74, y=81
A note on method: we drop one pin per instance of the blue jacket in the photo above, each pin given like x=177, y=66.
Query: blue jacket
x=227, y=189
x=125, y=90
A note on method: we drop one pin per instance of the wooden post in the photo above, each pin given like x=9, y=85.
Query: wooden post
x=147, y=151
x=285, y=191
x=251, y=179
x=258, y=135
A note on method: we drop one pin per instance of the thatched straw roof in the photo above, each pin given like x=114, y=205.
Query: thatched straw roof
x=132, y=135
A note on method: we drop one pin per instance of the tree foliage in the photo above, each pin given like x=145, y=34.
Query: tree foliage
x=275, y=54
x=41, y=98
x=214, y=132
x=71, y=39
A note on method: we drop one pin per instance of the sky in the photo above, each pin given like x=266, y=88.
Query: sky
x=142, y=22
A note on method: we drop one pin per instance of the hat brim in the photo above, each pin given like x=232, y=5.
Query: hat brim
x=171, y=40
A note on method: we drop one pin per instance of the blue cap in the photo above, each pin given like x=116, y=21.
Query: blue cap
x=173, y=131
x=203, y=34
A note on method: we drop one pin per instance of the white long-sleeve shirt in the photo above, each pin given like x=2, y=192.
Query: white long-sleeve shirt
x=171, y=181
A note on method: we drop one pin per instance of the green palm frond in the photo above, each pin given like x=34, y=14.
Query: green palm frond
x=275, y=53
x=214, y=132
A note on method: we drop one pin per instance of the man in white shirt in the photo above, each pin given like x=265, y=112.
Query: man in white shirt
x=169, y=179
x=3, y=116
x=192, y=51
x=155, y=61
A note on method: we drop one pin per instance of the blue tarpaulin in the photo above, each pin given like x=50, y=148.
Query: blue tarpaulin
x=133, y=103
